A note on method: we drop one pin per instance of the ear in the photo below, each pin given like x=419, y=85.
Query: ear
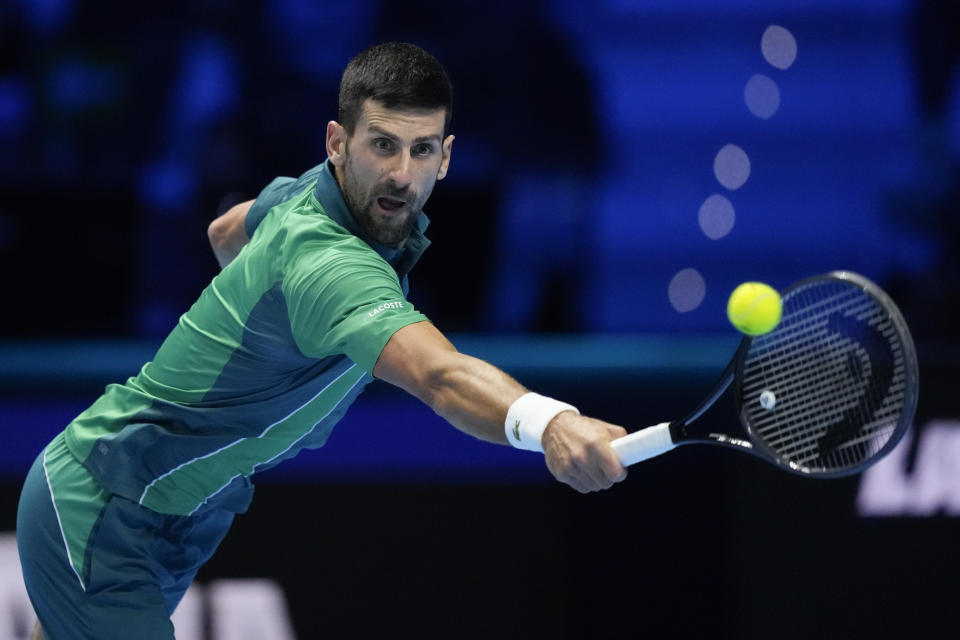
x=446, y=148
x=336, y=143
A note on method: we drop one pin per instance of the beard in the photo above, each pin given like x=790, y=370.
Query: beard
x=391, y=229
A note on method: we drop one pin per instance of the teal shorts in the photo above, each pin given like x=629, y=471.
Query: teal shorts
x=100, y=566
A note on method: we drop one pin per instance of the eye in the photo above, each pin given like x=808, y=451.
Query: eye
x=422, y=149
x=383, y=144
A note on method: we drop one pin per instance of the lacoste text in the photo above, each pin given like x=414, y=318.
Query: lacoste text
x=384, y=307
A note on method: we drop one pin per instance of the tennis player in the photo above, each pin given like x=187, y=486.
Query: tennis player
x=121, y=509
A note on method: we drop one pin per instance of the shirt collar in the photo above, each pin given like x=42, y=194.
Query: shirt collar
x=330, y=197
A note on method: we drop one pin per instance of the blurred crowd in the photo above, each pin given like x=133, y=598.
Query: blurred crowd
x=124, y=131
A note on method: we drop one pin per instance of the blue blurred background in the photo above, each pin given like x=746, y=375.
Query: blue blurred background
x=586, y=140
x=619, y=167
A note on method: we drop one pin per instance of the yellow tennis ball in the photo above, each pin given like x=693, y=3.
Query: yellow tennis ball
x=754, y=308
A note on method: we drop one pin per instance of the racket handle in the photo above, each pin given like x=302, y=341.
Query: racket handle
x=643, y=444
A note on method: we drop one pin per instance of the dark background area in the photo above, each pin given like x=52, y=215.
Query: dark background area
x=586, y=141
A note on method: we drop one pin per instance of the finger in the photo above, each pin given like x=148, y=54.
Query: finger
x=579, y=488
x=615, y=432
x=610, y=461
x=575, y=480
x=564, y=471
x=593, y=474
x=611, y=466
x=599, y=480
x=576, y=485
x=602, y=465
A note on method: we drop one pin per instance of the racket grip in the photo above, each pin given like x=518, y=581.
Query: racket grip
x=643, y=444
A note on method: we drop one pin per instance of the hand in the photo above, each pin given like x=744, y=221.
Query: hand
x=578, y=452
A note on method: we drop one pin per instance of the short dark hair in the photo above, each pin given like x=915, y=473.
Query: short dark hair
x=398, y=75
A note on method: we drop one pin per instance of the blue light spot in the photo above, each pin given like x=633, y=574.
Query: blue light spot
x=207, y=87
x=167, y=186
x=76, y=85
x=14, y=106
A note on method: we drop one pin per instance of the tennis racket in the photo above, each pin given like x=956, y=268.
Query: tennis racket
x=827, y=393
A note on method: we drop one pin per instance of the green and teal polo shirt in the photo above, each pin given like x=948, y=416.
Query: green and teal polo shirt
x=264, y=364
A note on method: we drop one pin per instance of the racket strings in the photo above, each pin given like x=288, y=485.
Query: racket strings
x=786, y=440
x=798, y=352
x=808, y=423
x=797, y=330
x=846, y=403
x=809, y=391
x=842, y=401
x=805, y=370
x=836, y=368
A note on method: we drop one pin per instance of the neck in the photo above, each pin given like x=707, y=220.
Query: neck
x=338, y=175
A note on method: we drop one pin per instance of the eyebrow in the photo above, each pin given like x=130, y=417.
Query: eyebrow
x=383, y=132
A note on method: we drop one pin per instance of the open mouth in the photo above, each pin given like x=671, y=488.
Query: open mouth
x=390, y=204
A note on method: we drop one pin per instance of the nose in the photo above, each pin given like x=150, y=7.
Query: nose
x=401, y=171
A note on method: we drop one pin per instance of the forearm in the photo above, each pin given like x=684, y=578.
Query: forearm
x=474, y=396
x=471, y=394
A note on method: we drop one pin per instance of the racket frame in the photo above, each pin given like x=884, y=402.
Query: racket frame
x=753, y=444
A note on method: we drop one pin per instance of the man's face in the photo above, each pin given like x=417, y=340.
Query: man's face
x=388, y=167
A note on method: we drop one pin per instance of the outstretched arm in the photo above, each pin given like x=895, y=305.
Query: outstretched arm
x=475, y=397
x=227, y=233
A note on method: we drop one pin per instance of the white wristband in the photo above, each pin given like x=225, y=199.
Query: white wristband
x=529, y=416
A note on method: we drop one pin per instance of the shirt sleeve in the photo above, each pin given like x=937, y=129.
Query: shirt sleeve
x=341, y=302
x=279, y=190
x=273, y=194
